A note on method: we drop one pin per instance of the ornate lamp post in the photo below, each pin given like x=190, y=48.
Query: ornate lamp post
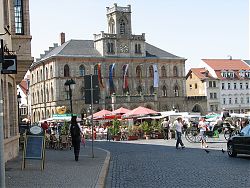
x=19, y=98
x=69, y=86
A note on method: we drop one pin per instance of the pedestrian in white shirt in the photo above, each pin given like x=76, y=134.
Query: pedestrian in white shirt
x=202, y=126
x=178, y=127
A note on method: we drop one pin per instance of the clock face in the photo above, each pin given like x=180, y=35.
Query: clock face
x=124, y=48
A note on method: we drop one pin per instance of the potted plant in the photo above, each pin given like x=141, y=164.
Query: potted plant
x=133, y=133
x=146, y=129
x=116, y=129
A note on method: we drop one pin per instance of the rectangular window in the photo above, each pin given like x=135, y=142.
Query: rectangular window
x=195, y=86
x=235, y=86
x=236, y=100
x=211, y=95
x=230, y=101
x=215, y=95
x=228, y=86
x=224, y=100
x=18, y=11
x=241, y=86
x=210, y=84
x=247, y=100
x=222, y=86
x=241, y=100
x=216, y=107
x=246, y=85
x=211, y=108
x=214, y=83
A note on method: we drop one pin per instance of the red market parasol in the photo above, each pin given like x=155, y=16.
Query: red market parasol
x=100, y=114
x=139, y=111
x=121, y=111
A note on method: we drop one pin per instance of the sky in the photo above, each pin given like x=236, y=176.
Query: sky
x=192, y=29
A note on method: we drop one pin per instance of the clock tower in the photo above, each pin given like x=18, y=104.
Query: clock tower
x=119, y=40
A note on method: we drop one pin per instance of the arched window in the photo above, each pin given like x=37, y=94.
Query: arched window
x=163, y=71
x=96, y=70
x=175, y=71
x=41, y=74
x=151, y=90
x=66, y=71
x=151, y=71
x=37, y=76
x=110, y=47
x=82, y=70
x=51, y=72
x=42, y=100
x=47, y=95
x=138, y=71
x=52, y=94
x=122, y=27
x=138, y=48
x=32, y=78
x=46, y=73
x=164, y=91
x=176, y=91
x=38, y=97
x=139, y=90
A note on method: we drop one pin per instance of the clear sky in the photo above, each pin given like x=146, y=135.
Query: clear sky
x=193, y=29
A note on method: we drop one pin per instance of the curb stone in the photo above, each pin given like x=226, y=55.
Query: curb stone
x=104, y=171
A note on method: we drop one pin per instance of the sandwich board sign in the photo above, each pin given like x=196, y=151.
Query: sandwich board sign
x=34, y=146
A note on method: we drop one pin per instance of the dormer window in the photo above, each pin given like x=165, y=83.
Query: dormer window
x=227, y=74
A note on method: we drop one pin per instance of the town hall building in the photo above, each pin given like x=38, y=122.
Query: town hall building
x=131, y=72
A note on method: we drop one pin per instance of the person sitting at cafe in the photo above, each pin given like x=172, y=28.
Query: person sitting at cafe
x=45, y=126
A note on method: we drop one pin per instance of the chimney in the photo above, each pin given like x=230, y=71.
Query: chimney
x=62, y=35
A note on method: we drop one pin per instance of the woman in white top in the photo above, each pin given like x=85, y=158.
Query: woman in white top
x=202, y=126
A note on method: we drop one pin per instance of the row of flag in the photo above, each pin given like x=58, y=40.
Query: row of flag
x=125, y=77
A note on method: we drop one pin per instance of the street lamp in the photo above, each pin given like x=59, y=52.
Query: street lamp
x=19, y=98
x=69, y=86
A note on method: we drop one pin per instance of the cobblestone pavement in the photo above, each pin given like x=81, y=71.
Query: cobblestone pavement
x=156, y=163
x=61, y=170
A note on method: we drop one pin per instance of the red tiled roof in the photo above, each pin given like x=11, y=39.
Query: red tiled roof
x=226, y=64
x=23, y=86
x=200, y=73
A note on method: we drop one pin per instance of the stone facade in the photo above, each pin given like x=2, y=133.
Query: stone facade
x=17, y=42
x=76, y=58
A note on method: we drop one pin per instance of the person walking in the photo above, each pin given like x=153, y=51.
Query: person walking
x=76, y=132
x=178, y=127
x=165, y=125
x=202, y=126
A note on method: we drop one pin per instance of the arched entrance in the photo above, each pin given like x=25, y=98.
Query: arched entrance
x=197, y=108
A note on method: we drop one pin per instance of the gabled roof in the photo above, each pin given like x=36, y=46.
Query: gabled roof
x=85, y=48
x=201, y=73
x=226, y=64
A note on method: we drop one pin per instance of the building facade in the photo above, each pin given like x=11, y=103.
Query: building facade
x=15, y=33
x=234, y=82
x=200, y=83
x=131, y=72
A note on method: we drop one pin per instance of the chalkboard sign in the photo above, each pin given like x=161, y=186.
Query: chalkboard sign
x=34, y=147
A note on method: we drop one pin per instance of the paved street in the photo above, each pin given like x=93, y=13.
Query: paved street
x=156, y=163
x=61, y=170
